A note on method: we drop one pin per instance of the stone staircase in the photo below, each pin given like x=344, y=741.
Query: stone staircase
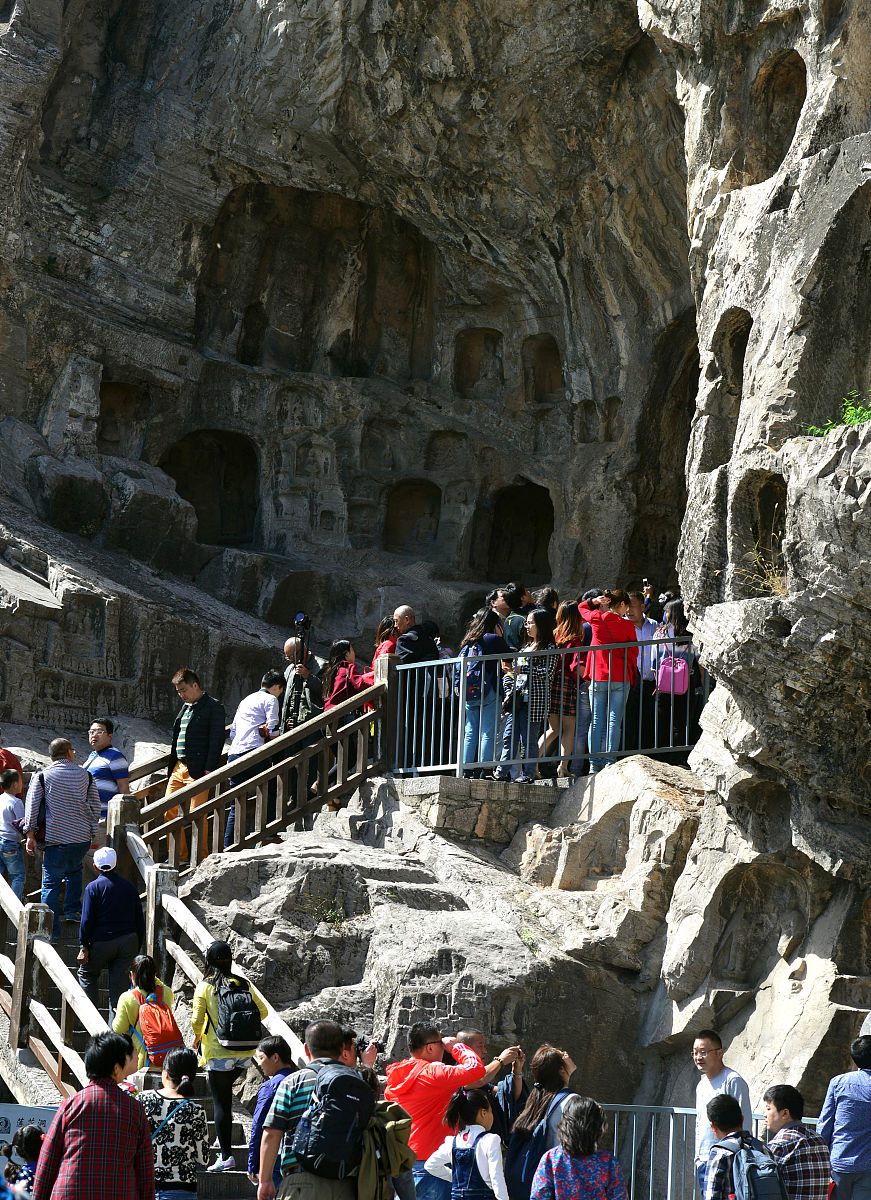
x=226, y=1185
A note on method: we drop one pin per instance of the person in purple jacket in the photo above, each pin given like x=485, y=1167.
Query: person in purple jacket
x=275, y=1059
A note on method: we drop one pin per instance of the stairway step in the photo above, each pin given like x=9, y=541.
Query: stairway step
x=224, y=1185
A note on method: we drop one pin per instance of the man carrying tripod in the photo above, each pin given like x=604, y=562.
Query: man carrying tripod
x=303, y=693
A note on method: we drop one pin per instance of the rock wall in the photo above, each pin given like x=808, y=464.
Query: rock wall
x=327, y=308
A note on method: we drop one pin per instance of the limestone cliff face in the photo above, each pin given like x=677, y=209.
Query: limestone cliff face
x=335, y=306
x=304, y=302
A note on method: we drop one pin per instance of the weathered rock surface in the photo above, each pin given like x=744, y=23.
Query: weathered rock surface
x=331, y=307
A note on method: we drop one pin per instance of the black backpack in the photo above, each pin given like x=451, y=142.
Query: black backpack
x=239, y=1026
x=328, y=1139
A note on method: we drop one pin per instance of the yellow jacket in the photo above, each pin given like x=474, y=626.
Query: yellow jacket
x=204, y=1018
x=127, y=1015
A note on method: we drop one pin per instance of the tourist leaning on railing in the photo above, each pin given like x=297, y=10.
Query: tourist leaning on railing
x=569, y=715
x=483, y=636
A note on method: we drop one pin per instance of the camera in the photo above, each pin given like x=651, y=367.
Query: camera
x=363, y=1043
x=302, y=621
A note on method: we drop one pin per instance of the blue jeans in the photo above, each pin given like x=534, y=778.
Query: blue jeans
x=234, y=781
x=63, y=864
x=482, y=724
x=526, y=731
x=168, y=1194
x=582, y=730
x=13, y=861
x=701, y=1177
x=608, y=702
x=852, y=1185
x=427, y=1186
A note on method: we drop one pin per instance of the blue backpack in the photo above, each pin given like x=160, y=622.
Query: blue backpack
x=475, y=680
x=524, y=1154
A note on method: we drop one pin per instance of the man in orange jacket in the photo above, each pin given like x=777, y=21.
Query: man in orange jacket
x=423, y=1085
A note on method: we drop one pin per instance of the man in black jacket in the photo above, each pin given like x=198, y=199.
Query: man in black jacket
x=417, y=689
x=197, y=742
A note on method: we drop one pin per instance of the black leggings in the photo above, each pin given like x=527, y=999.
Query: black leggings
x=221, y=1087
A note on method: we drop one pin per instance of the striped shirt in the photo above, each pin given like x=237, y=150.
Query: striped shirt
x=109, y=768
x=186, y=714
x=291, y=1101
x=72, y=804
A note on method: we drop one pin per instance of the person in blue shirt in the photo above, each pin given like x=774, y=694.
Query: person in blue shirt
x=112, y=929
x=107, y=764
x=275, y=1059
x=845, y=1125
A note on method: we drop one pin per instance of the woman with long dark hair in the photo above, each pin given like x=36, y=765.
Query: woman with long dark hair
x=482, y=685
x=577, y=1169
x=551, y=1070
x=342, y=678
x=222, y=1061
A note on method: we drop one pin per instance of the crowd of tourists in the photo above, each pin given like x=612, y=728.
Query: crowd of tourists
x=538, y=687
x=453, y=1122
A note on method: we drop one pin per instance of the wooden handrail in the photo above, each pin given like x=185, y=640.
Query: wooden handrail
x=268, y=750
x=69, y=987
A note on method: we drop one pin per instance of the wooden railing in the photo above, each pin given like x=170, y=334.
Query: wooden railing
x=38, y=976
x=298, y=773
x=169, y=923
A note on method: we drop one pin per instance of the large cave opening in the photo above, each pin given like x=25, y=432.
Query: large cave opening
x=512, y=533
x=310, y=281
x=664, y=432
x=217, y=471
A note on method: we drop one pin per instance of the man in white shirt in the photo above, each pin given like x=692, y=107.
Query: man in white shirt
x=716, y=1079
x=255, y=722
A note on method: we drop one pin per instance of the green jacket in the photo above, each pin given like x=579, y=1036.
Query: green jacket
x=386, y=1152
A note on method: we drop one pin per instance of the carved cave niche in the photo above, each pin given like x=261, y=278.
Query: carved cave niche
x=758, y=520
x=445, y=450
x=478, y=373
x=379, y=444
x=309, y=281
x=543, y=380
x=775, y=105
x=755, y=931
x=726, y=377
x=664, y=432
x=412, y=519
x=317, y=593
x=217, y=471
x=124, y=409
x=511, y=534
x=7, y=8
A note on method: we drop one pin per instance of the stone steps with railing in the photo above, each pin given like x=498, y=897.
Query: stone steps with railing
x=47, y=1015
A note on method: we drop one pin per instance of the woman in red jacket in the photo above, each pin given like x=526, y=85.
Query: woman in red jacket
x=611, y=672
x=342, y=678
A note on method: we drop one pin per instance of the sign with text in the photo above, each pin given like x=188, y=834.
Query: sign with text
x=13, y=1116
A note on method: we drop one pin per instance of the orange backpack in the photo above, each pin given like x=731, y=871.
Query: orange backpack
x=160, y=1033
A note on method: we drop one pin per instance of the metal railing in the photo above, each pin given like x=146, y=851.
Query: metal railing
x=512, y=712
x=655, y=1146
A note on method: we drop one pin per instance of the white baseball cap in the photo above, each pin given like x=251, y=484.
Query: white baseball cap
x=105, y=859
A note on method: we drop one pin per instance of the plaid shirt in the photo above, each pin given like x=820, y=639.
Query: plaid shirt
x=803, y=1158
x=98, y=1148
x=291, y=1101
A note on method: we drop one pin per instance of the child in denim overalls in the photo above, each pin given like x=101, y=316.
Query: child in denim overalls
x=472, y=1158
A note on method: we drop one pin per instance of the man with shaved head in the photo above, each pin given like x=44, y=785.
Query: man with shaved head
x=414, y=645
x=303, y=692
